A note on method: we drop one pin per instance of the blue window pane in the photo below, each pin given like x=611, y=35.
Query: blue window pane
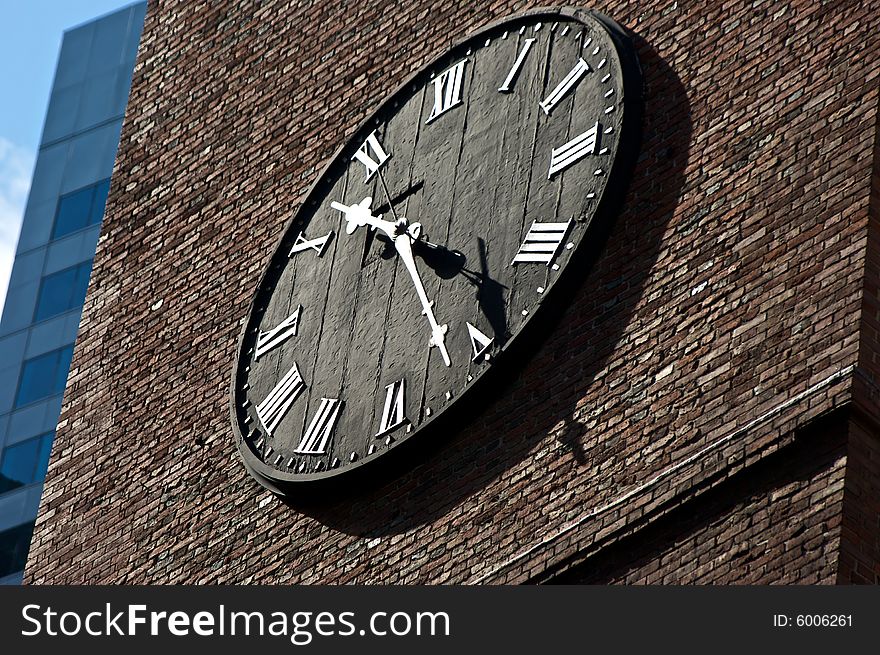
x=44, y=376
x=55, y=293
x=37, y=378
x=73, y=212
x=20, y=461
x=25, y=462
x=43, y=456
x=63, y=291
x=63, y=368
x=78, y=297
x=100, y=200
x=14, y=546
x=8, y=484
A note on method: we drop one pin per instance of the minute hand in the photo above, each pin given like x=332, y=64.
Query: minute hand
x=403, y=244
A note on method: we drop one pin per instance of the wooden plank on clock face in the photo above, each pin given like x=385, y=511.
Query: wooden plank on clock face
x=294, y=287
x=352, y=337
x=384, y=185
x=514, y=125
x=266, y=371
x=365, y=352
x=477, y=177
x=436, y=160
x=401, y=321
x=313, y=273
x=542, y=205
x=324, y=315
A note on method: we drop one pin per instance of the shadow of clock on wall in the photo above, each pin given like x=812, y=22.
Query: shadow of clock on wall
x=556, y=369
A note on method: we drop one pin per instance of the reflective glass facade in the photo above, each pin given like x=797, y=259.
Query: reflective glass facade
x=25, y=462
x=62, y=291
x=43, y=376
x=54, y=258
x=81, y=209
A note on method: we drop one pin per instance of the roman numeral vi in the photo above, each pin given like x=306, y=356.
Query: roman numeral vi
x=317, y=436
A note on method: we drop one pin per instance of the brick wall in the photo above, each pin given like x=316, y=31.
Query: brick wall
x=776, y=522
x=722, y=316
x=860, y=537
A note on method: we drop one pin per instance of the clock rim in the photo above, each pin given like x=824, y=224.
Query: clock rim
x=287, y=484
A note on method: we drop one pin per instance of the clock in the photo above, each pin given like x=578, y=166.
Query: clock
x=434, y=237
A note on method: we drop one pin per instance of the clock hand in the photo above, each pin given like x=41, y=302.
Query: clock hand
x=402, y=235
x=403, y=244
x=359, y=215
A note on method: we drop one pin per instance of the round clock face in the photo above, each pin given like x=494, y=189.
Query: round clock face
x=433, y=236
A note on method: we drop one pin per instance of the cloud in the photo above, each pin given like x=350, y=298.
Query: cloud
x=16, y=165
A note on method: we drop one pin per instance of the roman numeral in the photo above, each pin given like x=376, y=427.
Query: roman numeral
x=514, y=71
x=319, y=245
x=317, y=436
x=542, y=242
x=371, y=155
x=279, y=400
x=576, y=149
x=269, y=339
x=479, y=341
x=447, y=90
x=566, y=85
x=394, y=412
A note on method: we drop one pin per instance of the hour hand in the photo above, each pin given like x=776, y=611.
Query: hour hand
x=359, y=215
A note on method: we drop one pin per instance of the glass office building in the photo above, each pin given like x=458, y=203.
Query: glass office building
x=53, y=260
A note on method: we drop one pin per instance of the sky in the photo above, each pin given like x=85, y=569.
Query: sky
x=30, y=39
